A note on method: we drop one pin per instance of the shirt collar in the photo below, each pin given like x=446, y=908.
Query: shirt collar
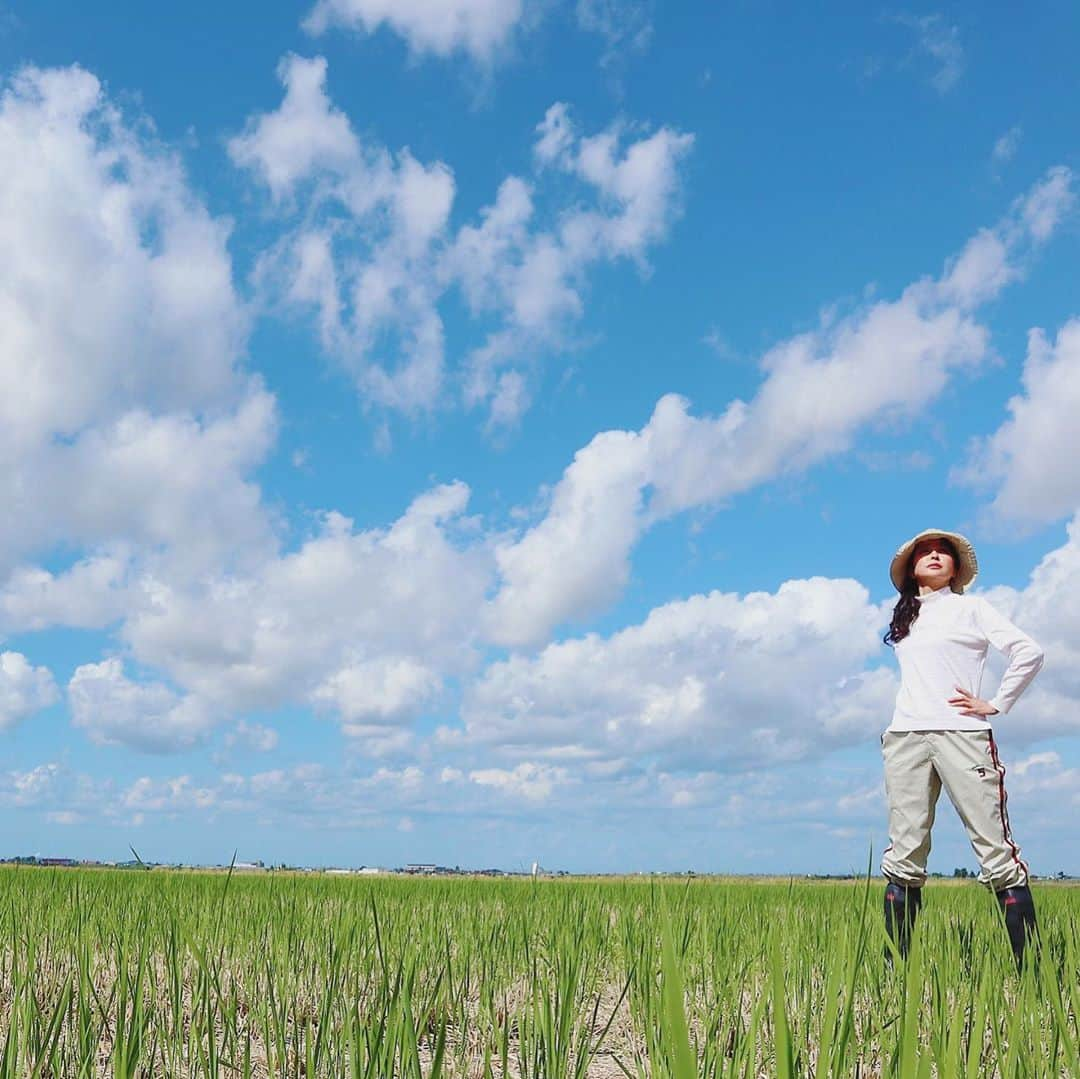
x=931, y=597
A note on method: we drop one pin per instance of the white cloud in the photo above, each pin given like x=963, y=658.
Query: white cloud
x=993, y=258
x=356, y=199
x=253, y=737
x=405, y=778
x=372, y=255
x=172, y=483
x=383, y=689
x=1024, y=461
x=940, y=43
x=732, y=680
x=370, y=623
x=313, y=794
x=106, y=261
x=575, y=559
x=1006, y=146
x=306, y=134
x=1047, y=775
x=638, y=182
x=531, y=781
x=134, y=438
x=170, y=795
x=478, y=28
x=625, y=25
x=59, y=794
x=1048, y=608
x=24, y=689
x=114, y=710
x=889, y=359
x=134, y=419
x=89, y=595
x=364, y=622
x=1046, y=205
x=657, y=716
x=31, y=787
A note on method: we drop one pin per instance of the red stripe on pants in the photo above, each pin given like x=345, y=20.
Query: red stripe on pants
x=1002, y=799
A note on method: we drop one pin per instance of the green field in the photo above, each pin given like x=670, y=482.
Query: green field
x=173, y=974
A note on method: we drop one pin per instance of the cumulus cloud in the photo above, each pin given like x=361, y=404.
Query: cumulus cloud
x=134, y=436
x=369, y=249
x=381, y=689
x=664, y=712
x=172, y=795
x=306, y=134
x=1046, y=773
x=43, y=784
x=733, y=680
x=363, y=622
x=1026, y=462
x=314, y=796
x=1048, y=607
x=305, y=792
x=356, y=199
x=377, y=698
x=134, y=418
x=24, y=689
x=576, y=558
x=88, y=595
x=174, y=482
x=889, y=359
x=477, y=28
x=528, y=780
x=534, y=280
x=995, y=257
x=114, y=710
x=656, y=717
x=132, y=259
x=371, y=624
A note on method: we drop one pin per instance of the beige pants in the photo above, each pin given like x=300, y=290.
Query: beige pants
x=917, y=765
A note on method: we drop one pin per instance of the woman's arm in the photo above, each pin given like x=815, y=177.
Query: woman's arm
x=1024, y=655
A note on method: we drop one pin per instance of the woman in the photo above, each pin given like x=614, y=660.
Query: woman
x=940, y=735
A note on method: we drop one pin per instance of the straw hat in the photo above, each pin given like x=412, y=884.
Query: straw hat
x=967, y=565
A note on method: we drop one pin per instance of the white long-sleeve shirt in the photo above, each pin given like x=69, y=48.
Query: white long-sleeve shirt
x=947, y=648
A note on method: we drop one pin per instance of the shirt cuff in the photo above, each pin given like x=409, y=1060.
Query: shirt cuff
x=1000, y=705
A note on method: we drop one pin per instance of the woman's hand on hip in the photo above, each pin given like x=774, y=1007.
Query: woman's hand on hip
x=970, y=705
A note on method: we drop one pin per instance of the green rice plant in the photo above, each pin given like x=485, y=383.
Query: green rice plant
x=288, y=975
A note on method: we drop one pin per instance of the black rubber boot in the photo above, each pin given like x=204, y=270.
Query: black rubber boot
x=1019, y=910
x=901, y=909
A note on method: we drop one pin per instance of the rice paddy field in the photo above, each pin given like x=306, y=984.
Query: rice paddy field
x=199, y=974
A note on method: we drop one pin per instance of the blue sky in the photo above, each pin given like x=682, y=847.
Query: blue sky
x=477, y=432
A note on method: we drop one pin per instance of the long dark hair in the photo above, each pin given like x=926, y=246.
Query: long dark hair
x=904, y=613
x=907, y=606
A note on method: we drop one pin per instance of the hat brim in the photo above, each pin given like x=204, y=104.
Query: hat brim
x=967, y=564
